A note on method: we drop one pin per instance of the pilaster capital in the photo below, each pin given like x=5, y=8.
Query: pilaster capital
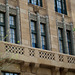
x=6, y=2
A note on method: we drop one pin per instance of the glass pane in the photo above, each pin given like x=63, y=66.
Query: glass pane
x=12, y=20
x=33, y=40
x=1, y=33
x=1, y=17
x=42, y=28
x=39, y=2
x=12, y=35
x=15, y=74
x=11, y=73
x=60, y=39
x=33, y=26
x=32, y=1
x=59, y=6
x=6, y=73
x=35, y=2
x=61, y=46
x=43, y=42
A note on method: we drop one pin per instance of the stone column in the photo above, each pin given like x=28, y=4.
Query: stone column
x=65, y=37
x=39, y=43
x=72, y=40
x=48, y=45
x=7, y=22
x=18, y=31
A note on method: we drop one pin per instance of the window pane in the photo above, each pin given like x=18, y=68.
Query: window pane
x=1, y=17
x=1, y=33
x=69, y=41
x=12, y=35
x=60, y=39
x=36, y=2
x=6, y=73
x=59, y=6
x=12, y=20
x=3, y=73
x=32, y=26
x=11, y=73
x=42, y=28
x=43, y=42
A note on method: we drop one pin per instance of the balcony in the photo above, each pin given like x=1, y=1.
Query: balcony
x=21, y=53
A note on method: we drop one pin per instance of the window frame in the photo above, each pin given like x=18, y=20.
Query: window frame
x=3, y=25
x=34, y=32
x=4, y=73
x=63, y=5
x=61, y=39
x=43, y=34
x=13, y=27
x=37, y=2
x=69, y=41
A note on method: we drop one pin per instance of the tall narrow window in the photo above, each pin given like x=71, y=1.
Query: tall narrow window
x=2, y=26
x=60, y=6
x=60, y=39
x=69, y=41
x=12, y=29
x=36, y=2
x=33, y=34
x=7, y=73
x=43, y=36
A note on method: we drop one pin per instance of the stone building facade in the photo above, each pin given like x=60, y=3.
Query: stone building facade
x=37, y=37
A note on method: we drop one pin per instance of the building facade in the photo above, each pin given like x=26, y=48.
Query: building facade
x=37, y=37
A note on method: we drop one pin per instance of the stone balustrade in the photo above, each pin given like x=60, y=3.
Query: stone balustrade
x=35, y=55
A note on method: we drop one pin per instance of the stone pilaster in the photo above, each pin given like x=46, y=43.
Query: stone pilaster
x=54, y=71
x=39, y=43
x=18, y=31
x=72, y=39
x=48, y=44
x=30, y=26
x=7, y=22
x=65, y=37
